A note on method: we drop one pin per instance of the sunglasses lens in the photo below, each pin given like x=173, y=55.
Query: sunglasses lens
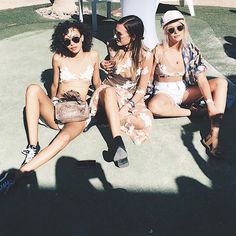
x=180, y=27
x=76, y=39
x=67, y=42
x=171, y=30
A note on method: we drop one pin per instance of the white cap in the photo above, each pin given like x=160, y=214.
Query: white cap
x=172, y=15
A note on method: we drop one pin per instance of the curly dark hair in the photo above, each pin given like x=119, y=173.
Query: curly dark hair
x=61, y=30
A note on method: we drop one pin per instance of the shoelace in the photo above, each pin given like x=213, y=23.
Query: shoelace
x=30, y=153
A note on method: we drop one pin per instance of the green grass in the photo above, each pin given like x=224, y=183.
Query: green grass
x=15, y=21
x=221, y=20
x=209, y=27
x=24, y=19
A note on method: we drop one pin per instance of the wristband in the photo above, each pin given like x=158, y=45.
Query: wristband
x=209, y=101
x=132, y=103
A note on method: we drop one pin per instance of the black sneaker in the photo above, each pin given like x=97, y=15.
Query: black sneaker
x=7, y=179
x=30, y=152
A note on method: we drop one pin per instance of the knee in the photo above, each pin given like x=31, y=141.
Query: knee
x=155, y=108
x=109, y=93
x=221, y=83
x=32, y=90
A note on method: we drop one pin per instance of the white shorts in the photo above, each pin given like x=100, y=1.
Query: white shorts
x=174, y=89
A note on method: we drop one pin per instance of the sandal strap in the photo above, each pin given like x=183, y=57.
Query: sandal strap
x=217, y=119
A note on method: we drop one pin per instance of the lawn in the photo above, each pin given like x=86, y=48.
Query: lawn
x=212, y=29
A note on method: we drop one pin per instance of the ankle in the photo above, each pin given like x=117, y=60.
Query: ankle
x=118, y=142
x=33, y=145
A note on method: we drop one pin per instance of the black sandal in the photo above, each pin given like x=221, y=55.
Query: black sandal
x=208, y=141
x=208, y=144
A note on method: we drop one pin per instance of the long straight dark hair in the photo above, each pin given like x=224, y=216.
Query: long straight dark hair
x=135, y=29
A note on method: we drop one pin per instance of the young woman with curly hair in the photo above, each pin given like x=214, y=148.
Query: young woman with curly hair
x=75, y=67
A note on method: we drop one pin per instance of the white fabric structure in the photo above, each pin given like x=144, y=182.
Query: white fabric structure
x=190, y=7
x=146, y=11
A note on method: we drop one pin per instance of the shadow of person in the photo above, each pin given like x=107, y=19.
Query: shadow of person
x=47, y=80
x=230, y=46
x=214, y=206
x=220, y=172
x=25, y=186
x=74, y=178
x=207, y=210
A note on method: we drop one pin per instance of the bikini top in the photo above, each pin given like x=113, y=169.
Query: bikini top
x=67, y=70
x=164, y=73
x=161, y=69
x=67, y=75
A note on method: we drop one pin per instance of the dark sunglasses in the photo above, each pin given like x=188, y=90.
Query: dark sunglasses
x=117, y=35
x=173, y=29
x=75, y=39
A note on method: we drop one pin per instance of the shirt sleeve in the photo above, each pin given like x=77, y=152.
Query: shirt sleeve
x=194, y=64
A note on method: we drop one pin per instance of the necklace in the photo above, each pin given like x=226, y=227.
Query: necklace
x=175, y=55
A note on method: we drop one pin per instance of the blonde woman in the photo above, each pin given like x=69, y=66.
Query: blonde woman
x=180, y=78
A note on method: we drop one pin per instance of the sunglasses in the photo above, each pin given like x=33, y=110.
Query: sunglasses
x=117, y=35
x=173, y=29
x=75, y=39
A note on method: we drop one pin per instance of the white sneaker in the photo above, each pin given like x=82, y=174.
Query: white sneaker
x=30, y=152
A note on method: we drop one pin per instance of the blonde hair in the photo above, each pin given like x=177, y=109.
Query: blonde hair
x=185, y=34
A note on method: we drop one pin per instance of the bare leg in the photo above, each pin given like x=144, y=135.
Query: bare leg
x=68, y=133
x=218, y=88
x=108, y=99
x=37, y=103
x=219, y=92
x=162, y=105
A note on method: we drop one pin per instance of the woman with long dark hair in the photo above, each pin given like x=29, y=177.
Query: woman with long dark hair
x=129, y=65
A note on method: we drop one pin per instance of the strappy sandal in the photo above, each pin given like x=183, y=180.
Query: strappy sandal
x=209, y=140
x=208, y=144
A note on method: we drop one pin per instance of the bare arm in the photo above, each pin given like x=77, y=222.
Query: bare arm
x=56, y=74
x=96, y=76
x=206, y=93
x=146, y=72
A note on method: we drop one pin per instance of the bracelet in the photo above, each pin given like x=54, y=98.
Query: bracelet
x=141, y=91
x=132, y=103
x=209, y=101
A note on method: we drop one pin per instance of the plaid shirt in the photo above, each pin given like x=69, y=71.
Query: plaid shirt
x=193, y=63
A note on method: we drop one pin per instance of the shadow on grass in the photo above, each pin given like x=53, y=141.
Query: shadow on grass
x=230, y=46
x=76, y=207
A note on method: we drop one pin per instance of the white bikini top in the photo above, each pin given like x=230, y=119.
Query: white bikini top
x=66, y=75
x=164, y=73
